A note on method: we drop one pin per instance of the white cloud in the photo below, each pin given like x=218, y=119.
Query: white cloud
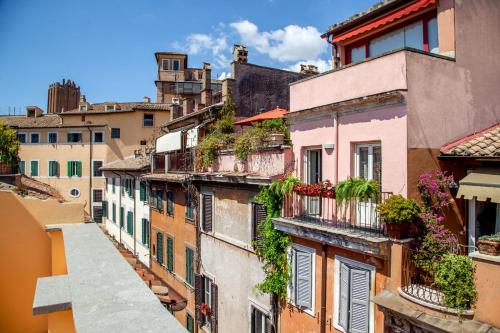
x=224, y=75
x=198, y=43
x=320, y=63
x=291, y=43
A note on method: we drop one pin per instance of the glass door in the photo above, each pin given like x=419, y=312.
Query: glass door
x=313, y=175
x=368, y=166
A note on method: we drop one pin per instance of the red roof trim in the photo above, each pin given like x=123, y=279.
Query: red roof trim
x=469, y=137
x=413, y=8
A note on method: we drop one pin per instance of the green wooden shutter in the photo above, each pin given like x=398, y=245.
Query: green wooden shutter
x=159, y=248
x=170, y=254
x=170, y=203
x=144, y=231
x=189, y=266
x=142, y=191
x=121, y=217
x=22, y=167
x=50, y=168
x=56, y=166
x=114, y=212
x=105, y=209
x=189, y=323
x=79, y=168
x=34, y=168
x=68, y=170
x=130, y=223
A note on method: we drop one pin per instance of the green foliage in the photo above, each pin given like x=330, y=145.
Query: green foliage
x=272, y=244
x=455, y=278
x=255, y=137
x=220, y=136
x=397, y=209
x=359, y=188
x=9, y=146
x=492, y=238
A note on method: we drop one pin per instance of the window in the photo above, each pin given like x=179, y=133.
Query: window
x=165, y=64
x=97, y=214
x=207, y=220
x=74, y=137
x=129, y=186
x=97, y=195
x=352, y=303
x=53, y=169
x=313, y=175
x=206, y=293
x=74, y=168
x=159, y=248
x=83, y=108
x=259, y=321
x=115, y=133
x=74, y=192
x=189, y=265
x=142, y=192
x=122, y=217
x=189, y=323
x=113, y=212
x=130, y=223
x=432, y=39
x=113, y=184
x=259, y=215
x=176, y=65
x=358, y=53
x=110, y=107
x=369, y=162
x=302, y=282
x=35, y=137
x=189, y=207
x=156, y=200
x=95, y=166
x=170, y=202
x=21, y=137
x=148, y=120
x=105, y=209
x=52, y=137
x=22, y=167
x=145, y=231
x=170, y=253
x=34, y=168
x=98, y=137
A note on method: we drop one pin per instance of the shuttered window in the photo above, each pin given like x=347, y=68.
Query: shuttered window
x=189, y=266
x=53, y=169
x=189, y=207
x=354, y=299
x=189, y=323
x=113, y=212
x=122, y=217
x=130, y=223
x=22, y=167
x=105, y=209
x=260, y=323
x=142, y=192
x=96, y=166
x=207, y=212
x=170, y=253
x=113, y=184
x=74, y=168
x=34, y=169
x=145, y=231
x=259, y=214
x=170, y=202
x=302, y=277
x=159, y=248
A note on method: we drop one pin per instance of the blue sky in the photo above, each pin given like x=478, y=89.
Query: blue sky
x=107, y=46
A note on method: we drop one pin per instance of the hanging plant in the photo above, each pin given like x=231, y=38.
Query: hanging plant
x=356, y=188
x=322, y=189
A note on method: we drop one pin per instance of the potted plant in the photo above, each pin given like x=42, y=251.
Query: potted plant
x=490, y=244
x=205, y=309
x=397, y=213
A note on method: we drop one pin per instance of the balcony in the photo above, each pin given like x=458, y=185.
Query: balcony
x=355, y=224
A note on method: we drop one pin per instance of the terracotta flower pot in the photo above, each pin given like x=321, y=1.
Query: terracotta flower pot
x=398, y=230
x=491, y=248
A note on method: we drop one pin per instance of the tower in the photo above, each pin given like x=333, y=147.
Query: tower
x=63, y=96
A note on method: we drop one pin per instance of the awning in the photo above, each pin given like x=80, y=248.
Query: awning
x=482, y=184
x=192, y=137
x=273, y=114
x=405, y=11
x=169, y=142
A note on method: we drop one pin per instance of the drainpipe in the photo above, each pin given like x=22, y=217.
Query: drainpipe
x=336, y=176
x=323, y=288
x=90, y=173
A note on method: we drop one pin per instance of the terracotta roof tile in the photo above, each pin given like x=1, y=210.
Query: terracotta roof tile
x=485, y=143
x=130, y=164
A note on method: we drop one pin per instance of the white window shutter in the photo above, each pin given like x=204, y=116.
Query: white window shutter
x=304, y=276
x=360, y=301
x=344, y=295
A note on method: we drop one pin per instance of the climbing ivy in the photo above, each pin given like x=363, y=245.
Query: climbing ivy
x=272, y=244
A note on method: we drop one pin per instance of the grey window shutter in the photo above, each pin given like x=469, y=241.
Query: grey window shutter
x=343, y=295
x=198, y=298
x=215, y=298
x=304, y=276
x=269, y=326
x=360, y=301
x=207, y=212
x=259, y=215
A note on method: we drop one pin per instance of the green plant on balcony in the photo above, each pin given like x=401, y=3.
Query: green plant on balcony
x=490, y=244
x=356, y=188
x=397, y=210
x=455, y=279
x=9, y=146
x=258, y=136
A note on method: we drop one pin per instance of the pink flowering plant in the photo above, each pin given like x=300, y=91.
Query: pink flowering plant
x=432, y=188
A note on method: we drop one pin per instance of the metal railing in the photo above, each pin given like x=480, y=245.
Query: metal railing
x=181, y=161
x=356, y=214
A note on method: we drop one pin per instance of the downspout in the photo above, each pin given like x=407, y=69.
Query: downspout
x=323, y=288
x=90, y=173
x=336, y=147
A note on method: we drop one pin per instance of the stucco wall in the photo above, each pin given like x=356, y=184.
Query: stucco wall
x=26, y=250
x=488, y=292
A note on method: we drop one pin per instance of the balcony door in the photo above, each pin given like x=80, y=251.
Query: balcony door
x=368, y=166
x=312, y=168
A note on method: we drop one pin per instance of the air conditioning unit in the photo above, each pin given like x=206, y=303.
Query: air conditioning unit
x=176, y=101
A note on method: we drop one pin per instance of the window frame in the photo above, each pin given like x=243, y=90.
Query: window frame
x=162, y=67
x=110, y=107
x=48, y=137
x=22, y=170
x=74, y=167
x=94, y=169
x=58, y=169
x=37, y=168
x=336, y=290
x=114, y=136
x=178, y=61
x=202, y=212
x=31, y=138
x=370, y=146
x=74, y=196
x=144, y=119
x=189, y=207
x=74, y=132
x=93, y=195
x=93, y=136
x=25, y=137
x=192, y=273
x=291, y=288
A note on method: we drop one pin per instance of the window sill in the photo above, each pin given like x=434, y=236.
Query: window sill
x=189, y=220
x=310, y=312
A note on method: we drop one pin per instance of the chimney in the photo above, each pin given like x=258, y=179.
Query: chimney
x=308, y=69
x=240, y=53
x=146, y=99
x=83, y=100
x=187, y=106
x=33, y=111
x=206, y=85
